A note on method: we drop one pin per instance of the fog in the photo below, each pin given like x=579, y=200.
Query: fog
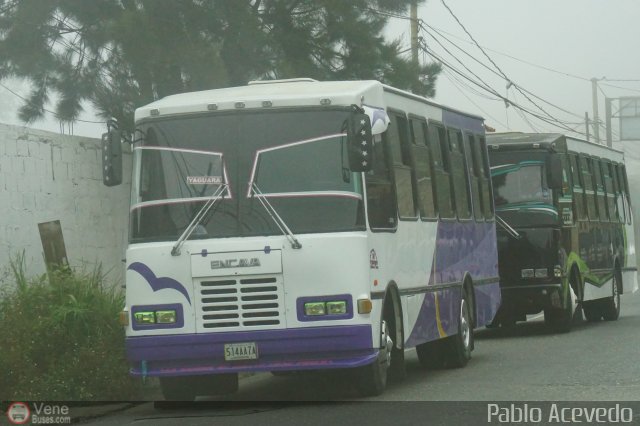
x=578, y=39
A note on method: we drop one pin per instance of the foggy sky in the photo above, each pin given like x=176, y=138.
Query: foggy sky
x=585, y=38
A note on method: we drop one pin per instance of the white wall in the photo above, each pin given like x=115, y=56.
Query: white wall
x=45, y=177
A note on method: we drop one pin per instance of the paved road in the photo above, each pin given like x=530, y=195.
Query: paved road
x=595, y=362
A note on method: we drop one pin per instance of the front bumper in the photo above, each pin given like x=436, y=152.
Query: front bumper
x=287, y=349
x=530, y=298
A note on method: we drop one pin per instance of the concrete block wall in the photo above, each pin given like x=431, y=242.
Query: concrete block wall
x=46, y=176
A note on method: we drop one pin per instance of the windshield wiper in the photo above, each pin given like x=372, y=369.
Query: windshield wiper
x=275, y=217
x=218, y=194
x=503, y=223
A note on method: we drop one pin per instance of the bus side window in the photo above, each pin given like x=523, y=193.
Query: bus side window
x=610, y=193
x=602, y=202
x=422, y=169
x=398, y=138
x=487, y=196
x=623, y=169
x=459, y=174
x=619, y=189
x=566, y=177
x=587, y=179
x=381, y=202
x=474, y=175
x=578, y=188
x=439, y=149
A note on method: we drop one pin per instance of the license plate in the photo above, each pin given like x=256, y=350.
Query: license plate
x=240, y=351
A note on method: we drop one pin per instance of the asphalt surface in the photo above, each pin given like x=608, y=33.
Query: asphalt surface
x=526, y=364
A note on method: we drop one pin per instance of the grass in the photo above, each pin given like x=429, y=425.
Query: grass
x=60, y=338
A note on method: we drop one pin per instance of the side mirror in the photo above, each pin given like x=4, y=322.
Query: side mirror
x=554, y=171
x=112, y=157
x=359, y=142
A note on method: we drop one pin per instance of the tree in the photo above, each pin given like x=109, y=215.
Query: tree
x=121, y=54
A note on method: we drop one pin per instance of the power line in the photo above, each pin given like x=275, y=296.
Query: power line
x=56, y=115
x=494, y=64
x=554, y=123
x=513, y=57
x=491, y=70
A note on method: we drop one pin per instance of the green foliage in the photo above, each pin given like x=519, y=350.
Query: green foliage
x=60, y=337
x=121, y=54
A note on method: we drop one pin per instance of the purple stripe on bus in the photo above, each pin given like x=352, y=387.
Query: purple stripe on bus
x=460, y=247
x=158, y=283
x=290, y=345
x=198, y=367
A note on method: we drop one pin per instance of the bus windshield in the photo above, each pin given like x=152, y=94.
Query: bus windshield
x=520, y=183
x=297, y=159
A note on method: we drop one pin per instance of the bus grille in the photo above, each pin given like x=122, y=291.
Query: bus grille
x=236, y=302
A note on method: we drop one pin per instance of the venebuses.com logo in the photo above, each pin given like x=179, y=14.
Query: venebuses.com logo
x=18, y=413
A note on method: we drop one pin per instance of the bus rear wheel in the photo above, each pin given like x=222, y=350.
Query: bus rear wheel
x=372, y=378
x=457, y=349
x=611, y=305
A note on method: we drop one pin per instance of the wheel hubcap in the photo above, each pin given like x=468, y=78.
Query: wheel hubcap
x=573, y=300
x=615, y=293
x=386, y=342
x=464, y=324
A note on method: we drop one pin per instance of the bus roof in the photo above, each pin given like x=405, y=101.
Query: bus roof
x=517, y=139
x=281, y=93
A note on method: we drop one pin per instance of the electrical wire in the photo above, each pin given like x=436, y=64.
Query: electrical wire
x=56, y=115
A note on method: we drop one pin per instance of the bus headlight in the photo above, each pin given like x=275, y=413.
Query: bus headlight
x=527, y=273
x=542, y=273
x=314, y=308
x=166, y=317
x=147, y=317
x=337, y=308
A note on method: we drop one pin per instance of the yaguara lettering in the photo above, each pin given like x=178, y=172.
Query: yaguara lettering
x=235, y=263
x=526, y=413
x=203, y=180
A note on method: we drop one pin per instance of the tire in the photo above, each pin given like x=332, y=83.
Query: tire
x=457, y=349
x=611, y=306
x=187, y=388
x=371, y=379
x=592, y=311
x=561, y=321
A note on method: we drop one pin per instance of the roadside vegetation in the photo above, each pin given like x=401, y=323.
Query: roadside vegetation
x=60, y=338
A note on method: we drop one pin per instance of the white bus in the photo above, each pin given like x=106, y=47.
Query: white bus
x=303, y=225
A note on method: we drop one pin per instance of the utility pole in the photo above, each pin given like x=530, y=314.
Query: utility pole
x=596, y=120
x=586, y=125
x=607, y=112
x=414, y=31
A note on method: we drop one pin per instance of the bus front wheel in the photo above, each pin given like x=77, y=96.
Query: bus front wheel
x=372, y=378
